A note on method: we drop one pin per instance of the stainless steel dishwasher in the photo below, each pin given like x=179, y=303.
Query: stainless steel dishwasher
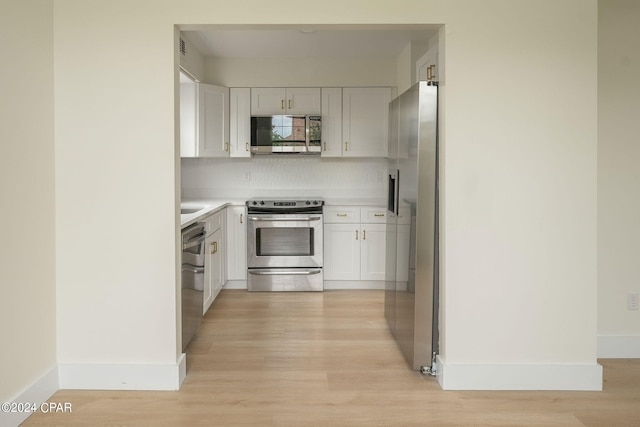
x=193, y=238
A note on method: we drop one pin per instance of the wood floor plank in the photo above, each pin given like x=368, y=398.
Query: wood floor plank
x=328, y=359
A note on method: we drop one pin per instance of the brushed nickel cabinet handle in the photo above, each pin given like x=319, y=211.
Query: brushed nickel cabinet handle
x=364, y=234
x=246, y=146
x=341, y=215
x=356, y=234
x=241, y=218
x=282, y=104
x=346, y=146
x=378, y=214
x=290, y=104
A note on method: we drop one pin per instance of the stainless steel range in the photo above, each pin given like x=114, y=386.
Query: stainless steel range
x=284, y=247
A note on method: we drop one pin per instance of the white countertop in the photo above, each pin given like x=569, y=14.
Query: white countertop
x=207, y=207
x=355, y=202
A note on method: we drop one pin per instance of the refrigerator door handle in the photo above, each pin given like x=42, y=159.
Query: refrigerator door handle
x=392, y=199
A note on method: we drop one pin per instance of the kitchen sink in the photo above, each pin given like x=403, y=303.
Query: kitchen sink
x=184, y=211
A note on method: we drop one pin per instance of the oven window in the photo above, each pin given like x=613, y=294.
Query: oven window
x=286, y=241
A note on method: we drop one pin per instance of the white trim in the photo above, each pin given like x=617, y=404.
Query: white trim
x=182, y=369
x=97, y=376
x=519, y=377
x=619, y=346
x=37, y=393
x=353, y=284
x=235, y=284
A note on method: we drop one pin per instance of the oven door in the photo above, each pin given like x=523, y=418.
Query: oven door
x=284, y=240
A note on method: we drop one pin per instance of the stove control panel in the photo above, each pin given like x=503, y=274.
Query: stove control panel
x=285, y=204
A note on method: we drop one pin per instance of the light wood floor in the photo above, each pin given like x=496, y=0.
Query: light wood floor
x=327, y=359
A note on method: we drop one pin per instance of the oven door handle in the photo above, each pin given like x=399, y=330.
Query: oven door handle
x=311, y=218
x=284, y=272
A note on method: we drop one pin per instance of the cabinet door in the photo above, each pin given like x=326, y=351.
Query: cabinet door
x=267, y=101
x=236, y=243
x=213, y=121
x=332, y=122
x=427, y=66
x=209, y=248
x=373, y=246
x=213, y=272
x=218, y=271
x=365, y=116
x=341, y=252
x=240, y=122
x=188, y=109
x=305, y=100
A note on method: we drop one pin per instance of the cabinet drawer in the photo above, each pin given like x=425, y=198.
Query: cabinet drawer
x=214, y=222
x=373, y=215
x=341, y=214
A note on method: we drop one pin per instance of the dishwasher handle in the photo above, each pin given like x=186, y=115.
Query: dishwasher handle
x=195, y=240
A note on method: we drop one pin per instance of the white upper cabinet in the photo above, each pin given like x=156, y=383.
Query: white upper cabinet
x=240, y=122
x=188, y=114
x=213, y=121
x=365, y=116
x=427, y=66
x=270, y=101
x=332, y=122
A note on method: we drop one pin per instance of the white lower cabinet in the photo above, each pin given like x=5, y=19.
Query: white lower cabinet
x=214, y=266
x=353, y=249
x=236, y=243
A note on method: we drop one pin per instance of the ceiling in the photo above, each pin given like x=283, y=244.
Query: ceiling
x=308, y=41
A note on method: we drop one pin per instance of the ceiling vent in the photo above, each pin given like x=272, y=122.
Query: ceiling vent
x=183, y=47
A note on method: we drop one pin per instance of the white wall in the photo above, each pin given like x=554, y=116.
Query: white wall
x=323, y=177
x=520, y=190
x=27, y=246
x=323, y=72
x=519, y=182
x=618, y=176
x=274, y=176
x=192, y=61
x=116, y=201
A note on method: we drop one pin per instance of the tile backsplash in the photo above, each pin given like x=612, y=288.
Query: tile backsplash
x=283, y=176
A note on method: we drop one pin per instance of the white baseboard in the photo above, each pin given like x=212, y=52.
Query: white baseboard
x=619, y=346
x=235, y=284
x=37, y=393
x=353, y=284
x=328, y=284
x=98, y=376
x=519, y=377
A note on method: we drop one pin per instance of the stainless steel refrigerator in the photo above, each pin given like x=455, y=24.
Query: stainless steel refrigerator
x=411, y=282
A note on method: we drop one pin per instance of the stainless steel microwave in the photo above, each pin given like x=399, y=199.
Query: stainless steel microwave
x=286, y=134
